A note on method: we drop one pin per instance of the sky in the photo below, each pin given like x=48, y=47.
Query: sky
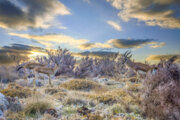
x=149, y=28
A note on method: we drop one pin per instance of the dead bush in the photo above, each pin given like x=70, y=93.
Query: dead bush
x=161, y=93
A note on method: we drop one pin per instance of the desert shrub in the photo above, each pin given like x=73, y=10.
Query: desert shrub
x=107, y=65
x=85, y=68
x=35, y=107
x=14, y=90
x=161, y=93
x=78, y=84
x=90, y=67
x=63, y=59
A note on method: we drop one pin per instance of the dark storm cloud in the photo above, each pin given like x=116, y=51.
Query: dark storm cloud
x=29, y=13
x=18, y=50
x=132, y=43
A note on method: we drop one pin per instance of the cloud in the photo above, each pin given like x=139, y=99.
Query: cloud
x=159, y=57
x=98, y=54
x=152, y=12
x=115, y=25
x=52, y=40
x=21, y=51
x=133, y=43
x=49, y=40
x=157, y=45
x=88, y=46
x=123, y=43
x=23, y=14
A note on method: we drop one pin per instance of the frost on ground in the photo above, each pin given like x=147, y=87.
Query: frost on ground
x=92, y=89
x=66, y=100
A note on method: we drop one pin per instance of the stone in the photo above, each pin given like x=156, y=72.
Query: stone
x=83, y=110
x=52, y=112
x=1, y=113
x=3, y=103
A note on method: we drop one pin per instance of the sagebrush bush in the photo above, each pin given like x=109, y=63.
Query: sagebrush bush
x=15, y=90
x=80, y=84
x=62, y=58
x=161, y=93
x=85, y=68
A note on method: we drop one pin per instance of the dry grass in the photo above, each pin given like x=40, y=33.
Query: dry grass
x=36, y=107
x=60, y=95
x=48, y=117
x=80, y=84
x=15, y=115
x=53, y=90
x=94, y=117
x=113, y=96
x=135, y=87
x=14, y=90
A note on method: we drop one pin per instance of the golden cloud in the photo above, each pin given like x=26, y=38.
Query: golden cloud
x=22, y=52
x=152, y=12
x=49, y=40
x=157, y=45
x=159, y=57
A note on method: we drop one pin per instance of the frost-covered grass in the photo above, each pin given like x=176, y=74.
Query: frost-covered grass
x=100, y=94
x=106, y=103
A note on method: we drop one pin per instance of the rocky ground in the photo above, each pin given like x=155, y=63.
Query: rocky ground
x=71, y=99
